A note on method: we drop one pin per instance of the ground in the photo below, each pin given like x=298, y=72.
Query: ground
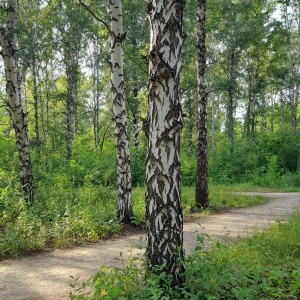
x=46, y=275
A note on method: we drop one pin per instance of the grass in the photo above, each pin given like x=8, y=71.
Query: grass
x=64, y=215
x=265, y=266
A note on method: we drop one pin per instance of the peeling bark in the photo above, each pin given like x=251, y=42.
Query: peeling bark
x=8, y=44
x=124, y=206
x=164, y=124
x=202, y=157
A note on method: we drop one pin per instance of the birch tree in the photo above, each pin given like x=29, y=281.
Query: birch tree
x=119, y=114
x=292, y=24
x=164, y=123
x=202, y=160
x=124, y=207
x=34, y=71
x=8, y=42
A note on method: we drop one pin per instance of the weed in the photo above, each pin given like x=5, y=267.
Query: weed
x=255, y=268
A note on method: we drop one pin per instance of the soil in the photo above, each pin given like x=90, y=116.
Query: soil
x=46, y=275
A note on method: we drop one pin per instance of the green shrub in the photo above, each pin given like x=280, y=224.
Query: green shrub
x=266, y=266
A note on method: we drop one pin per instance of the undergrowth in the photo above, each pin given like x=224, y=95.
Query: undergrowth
x=65, y=215
x=75, y=201
x=265, y=266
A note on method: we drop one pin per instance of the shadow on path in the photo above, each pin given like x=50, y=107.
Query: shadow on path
x=46, y=275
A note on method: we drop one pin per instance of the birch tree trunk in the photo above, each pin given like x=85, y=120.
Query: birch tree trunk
x=230, y=104
x=8, y=42
x=190, y=109
x=124, y=206
x=35, y=103
x=96, y=95
x=213, y=94
x=163, y=205
x=247, y=120
x=202, y=160
x=71, y=54
x=35, y=80
x=135, y=117
x=293, y=58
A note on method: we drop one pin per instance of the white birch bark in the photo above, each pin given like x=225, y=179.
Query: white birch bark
x=163, y=205
x=201, y=197
x=135, y=109
x=34, y=71
x=293, y=58
x=213, y=94
x=96, y=94
x=124, y=206
x=71, y=60
x=8, y=42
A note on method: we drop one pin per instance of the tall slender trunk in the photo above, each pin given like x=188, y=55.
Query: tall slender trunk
x=96, y=90
x=190, y=109
x=35, y=83
x=72, y=65
x=124, y=206
x=47, y=88
x=253, y=118
x=230, y=104
x=42, y=105
x=69, y=104
x=264, y=112
x=36, y=103
x=281, y=108
x=8, y=44
x=213, y=120
x=272, y=114
x=247, y=121
x=163, y=205
x=69, y=121
x=292, y=87
x=75, y=101
x=297, y=69
x=135, y=116
x=202, y=159
x=54, y=118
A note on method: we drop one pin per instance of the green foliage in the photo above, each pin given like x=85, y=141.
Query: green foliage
x=267, y=160
x=128, y=282
x=76, y=199
x=265, y=266
x=220, y=197
x=138, y=162
x=60, y=216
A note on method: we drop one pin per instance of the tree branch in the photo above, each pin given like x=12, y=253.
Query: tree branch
x=94, y=15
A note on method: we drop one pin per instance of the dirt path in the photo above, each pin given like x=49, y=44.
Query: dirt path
x=45, y=276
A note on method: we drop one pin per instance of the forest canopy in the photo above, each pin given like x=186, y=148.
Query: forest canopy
x=252, y=68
